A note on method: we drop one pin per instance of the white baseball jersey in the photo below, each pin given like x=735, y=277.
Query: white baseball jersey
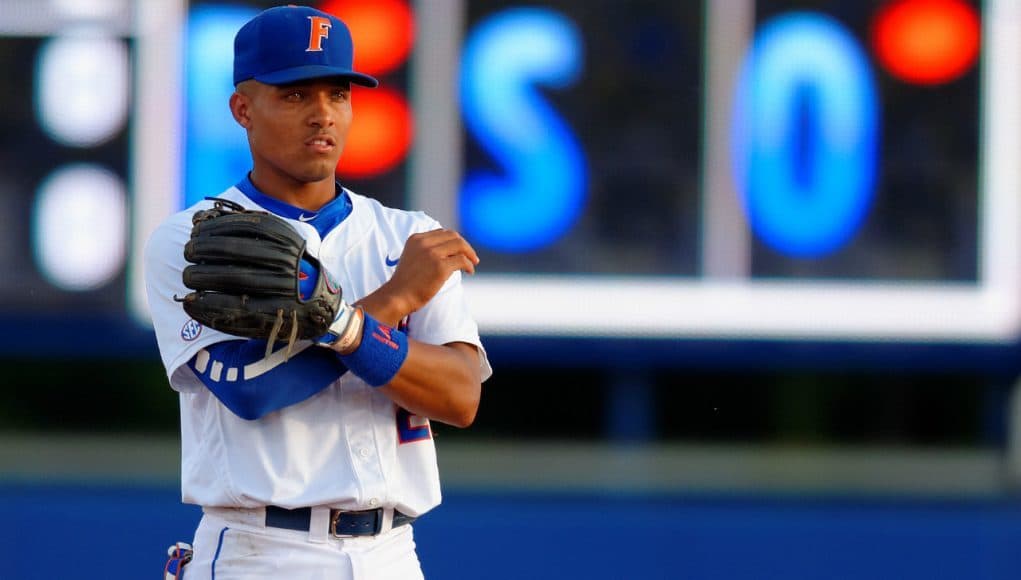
x=348, y=446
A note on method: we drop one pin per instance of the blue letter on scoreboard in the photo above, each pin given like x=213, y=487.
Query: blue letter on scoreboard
x=542, y=190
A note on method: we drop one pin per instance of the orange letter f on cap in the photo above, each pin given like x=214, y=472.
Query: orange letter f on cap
x=320, y=29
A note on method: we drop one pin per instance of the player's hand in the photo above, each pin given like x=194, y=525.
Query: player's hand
x=428, y=260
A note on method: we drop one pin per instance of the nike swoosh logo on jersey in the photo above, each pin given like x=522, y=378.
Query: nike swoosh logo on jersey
x=393, y=262
x=304, y=218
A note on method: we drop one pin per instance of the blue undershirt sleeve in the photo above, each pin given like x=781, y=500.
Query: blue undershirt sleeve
x=251, y=385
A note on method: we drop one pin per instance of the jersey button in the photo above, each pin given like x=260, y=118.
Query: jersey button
x=364, y=452
x=373, y=502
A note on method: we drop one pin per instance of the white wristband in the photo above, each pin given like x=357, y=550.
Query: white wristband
x=346, y=329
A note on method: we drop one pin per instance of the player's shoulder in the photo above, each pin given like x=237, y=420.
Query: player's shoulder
x=400, y=220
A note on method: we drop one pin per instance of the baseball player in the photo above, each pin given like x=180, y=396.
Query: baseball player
x=312, y=460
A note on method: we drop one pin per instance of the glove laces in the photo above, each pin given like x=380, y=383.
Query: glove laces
x=275, y=332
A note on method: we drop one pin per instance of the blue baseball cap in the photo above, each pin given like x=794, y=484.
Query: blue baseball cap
x=287, y=44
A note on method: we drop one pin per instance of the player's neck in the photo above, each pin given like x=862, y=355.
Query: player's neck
x=305, y=195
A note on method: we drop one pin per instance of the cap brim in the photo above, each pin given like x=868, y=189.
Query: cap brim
x=308, y=72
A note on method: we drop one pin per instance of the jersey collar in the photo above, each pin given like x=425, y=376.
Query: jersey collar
x=325, y=219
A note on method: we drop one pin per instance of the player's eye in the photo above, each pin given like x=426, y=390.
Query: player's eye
x=294, y=95
x=341, y=94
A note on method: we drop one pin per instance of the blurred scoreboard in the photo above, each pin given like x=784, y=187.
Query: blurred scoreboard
x=764, y=169
x=786, y=170
x=86, y=123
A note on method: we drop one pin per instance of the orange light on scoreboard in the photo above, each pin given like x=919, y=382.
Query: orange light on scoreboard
x=383, y=32
x=381, y=134
x=927, y=42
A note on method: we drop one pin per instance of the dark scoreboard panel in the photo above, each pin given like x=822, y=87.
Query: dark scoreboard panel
x=64, y=162
x=785, y=170
x=840, y=168
x=799, y=169
x=918, y=114
x=583, y=135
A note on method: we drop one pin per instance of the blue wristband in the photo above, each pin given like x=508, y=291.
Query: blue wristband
x=380, y=354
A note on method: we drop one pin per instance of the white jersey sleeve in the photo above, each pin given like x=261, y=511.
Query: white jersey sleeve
x=178, y=336
x=446, y=319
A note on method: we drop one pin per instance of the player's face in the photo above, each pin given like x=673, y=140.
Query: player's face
x=296, y=132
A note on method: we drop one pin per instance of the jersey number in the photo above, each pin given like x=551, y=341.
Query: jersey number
x=411, y=428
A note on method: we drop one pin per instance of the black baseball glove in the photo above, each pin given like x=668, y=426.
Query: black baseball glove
x=245, y=268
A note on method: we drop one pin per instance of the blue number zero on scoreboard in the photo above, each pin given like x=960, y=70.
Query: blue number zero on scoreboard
x=542, y=190
x=804, y=137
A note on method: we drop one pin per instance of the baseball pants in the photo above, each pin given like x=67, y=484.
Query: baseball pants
x=233, y=549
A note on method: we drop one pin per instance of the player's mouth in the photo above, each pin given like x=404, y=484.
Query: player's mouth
x=321, y=143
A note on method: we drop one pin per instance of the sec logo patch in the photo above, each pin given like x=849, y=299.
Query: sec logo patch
x=191, y=330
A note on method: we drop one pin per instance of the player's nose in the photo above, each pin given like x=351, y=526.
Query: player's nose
x=322, y=113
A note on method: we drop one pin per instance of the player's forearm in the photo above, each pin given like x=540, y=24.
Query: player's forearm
x=385, y=305
x=439, y=382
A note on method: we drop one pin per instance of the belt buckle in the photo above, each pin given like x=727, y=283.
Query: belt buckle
x=334, y=517
x=377, y=527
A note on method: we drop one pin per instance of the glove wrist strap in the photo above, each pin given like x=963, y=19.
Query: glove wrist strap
x=345, y=333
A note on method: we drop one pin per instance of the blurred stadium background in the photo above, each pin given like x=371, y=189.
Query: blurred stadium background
x=750, y=276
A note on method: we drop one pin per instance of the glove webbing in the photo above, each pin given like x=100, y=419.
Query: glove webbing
x=277, y=325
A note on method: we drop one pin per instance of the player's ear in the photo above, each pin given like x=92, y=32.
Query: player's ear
x=240, y=105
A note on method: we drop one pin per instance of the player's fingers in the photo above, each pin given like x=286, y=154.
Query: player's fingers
x=460, y=262
x=444, y=240
x=470, y=252
x=457, y=246
x=432, y=238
